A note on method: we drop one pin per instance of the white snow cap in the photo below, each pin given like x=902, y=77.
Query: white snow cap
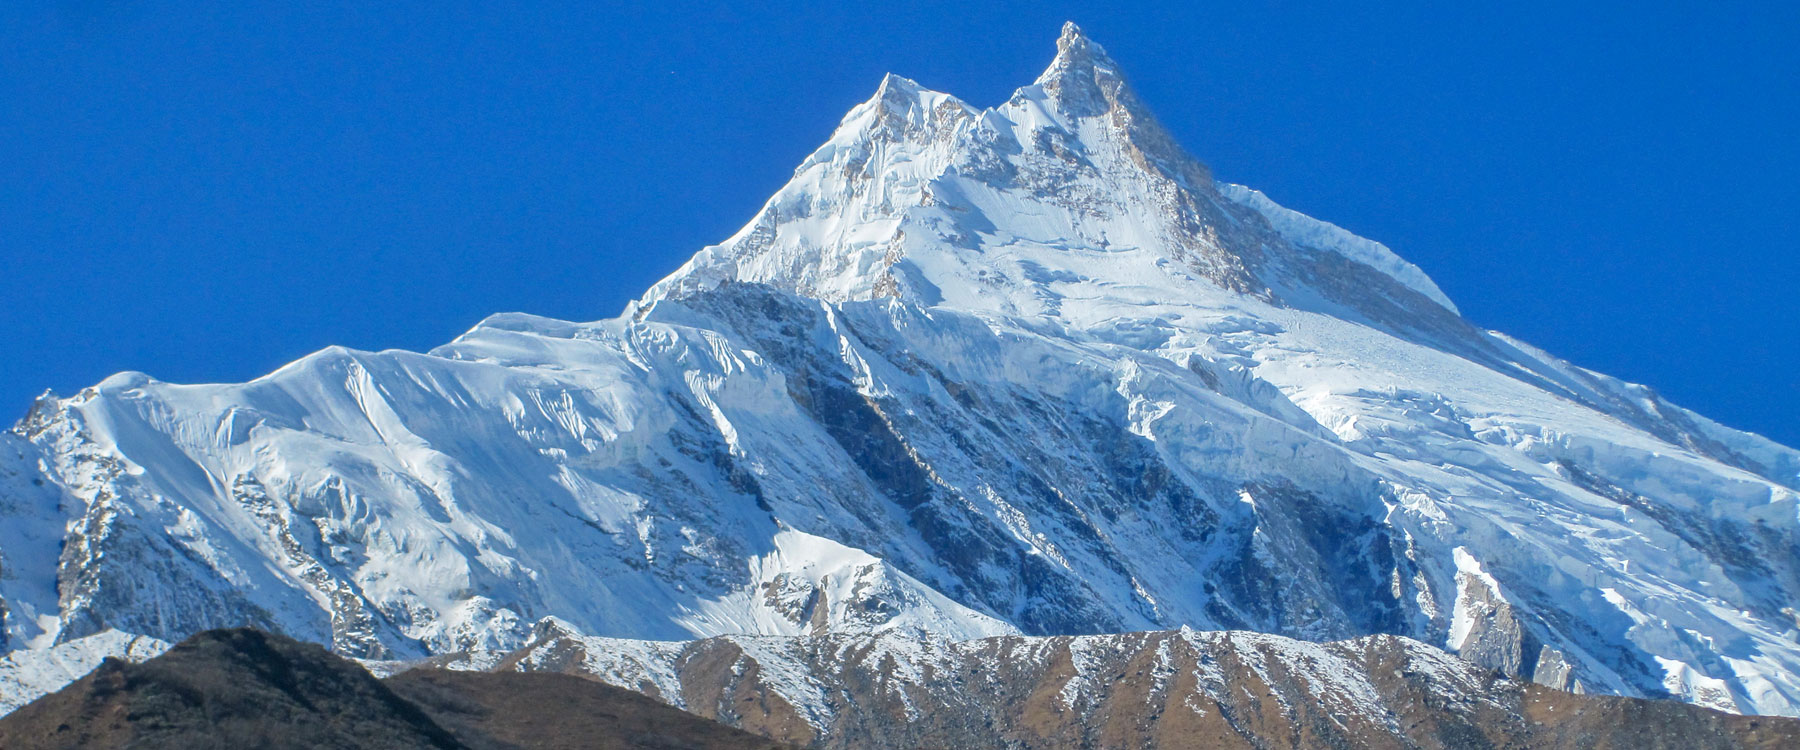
x=920, y=196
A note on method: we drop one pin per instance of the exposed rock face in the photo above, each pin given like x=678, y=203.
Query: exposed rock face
x=973, y=372
x=1175, y=689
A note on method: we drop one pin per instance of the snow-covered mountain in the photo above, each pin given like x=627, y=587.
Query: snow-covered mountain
x=973, y=372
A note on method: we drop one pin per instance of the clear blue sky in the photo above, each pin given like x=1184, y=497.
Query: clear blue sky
x=205, y=190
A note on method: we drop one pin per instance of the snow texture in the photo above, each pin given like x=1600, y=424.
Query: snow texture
x=28, y=674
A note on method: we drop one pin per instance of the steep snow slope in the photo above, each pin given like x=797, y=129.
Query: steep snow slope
x=972, y=372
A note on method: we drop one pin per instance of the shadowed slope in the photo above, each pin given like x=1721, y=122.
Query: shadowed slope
x=560, y=712
x=225, y=689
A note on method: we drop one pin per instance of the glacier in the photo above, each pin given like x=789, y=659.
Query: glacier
x=1024, y=370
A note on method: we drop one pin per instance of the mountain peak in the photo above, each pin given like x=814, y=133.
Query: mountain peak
x=1082, y=79
x=1083, y=82
x=919, y=196
x=1074, y=43
x=893, y=85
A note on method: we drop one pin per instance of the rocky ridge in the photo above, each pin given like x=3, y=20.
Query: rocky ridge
x=1170, y=689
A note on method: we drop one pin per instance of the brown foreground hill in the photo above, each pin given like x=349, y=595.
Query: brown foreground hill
x=240, y=689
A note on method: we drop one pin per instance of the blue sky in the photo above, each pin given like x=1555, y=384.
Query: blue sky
x=206, y=190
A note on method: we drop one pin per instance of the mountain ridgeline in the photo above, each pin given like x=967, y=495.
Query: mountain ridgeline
x=1172, y=690
x=1023, y=388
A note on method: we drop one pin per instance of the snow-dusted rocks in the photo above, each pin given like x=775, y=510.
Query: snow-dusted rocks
x=973, y=372
x=1139, y=689
x=1181, y=688
x=27, y=674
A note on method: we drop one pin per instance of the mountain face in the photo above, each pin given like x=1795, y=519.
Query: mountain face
x=973, y=373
